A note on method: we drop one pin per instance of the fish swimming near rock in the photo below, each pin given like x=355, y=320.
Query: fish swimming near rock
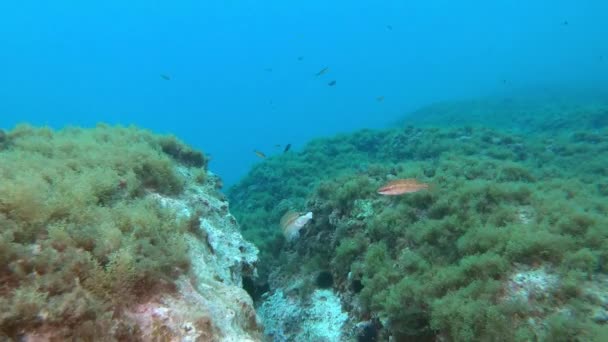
x=259, y=154
x=292, y=222
x=287, y=147
x=402, y=186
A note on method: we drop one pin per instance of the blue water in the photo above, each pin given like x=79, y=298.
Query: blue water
x=236, y=79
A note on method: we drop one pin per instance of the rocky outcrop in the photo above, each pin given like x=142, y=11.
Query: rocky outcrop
x=209, y=304
x=117, y=234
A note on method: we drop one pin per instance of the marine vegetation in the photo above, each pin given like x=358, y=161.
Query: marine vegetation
x=507, y=243
x=543, y=111
x=79, y=238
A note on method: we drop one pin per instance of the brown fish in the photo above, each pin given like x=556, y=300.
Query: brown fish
x=259, y=154
x=289, y=218
x=402, y=186
x=292, y=222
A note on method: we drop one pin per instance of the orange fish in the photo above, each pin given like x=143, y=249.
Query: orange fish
x=402, y=186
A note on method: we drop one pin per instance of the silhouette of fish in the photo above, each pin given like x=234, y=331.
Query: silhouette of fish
x=332, y=83
x=322, y=71
x=165, y=77
x=287, y=147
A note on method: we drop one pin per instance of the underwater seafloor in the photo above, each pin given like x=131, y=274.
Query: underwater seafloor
x=118, y=234
x=507, y=244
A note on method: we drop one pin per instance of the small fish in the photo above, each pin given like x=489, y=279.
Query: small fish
x=389, y=27
x=380, y=98
x=165, y=77
x=322, y=71
x=565, y=23
x=300, y=58
x=259, y=154
x=292, y=222
x=287, y=147
x=332, y=83
x=402, y=186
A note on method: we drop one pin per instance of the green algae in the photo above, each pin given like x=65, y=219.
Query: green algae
x=438, y=262
x=536, y=111
x=79, y=236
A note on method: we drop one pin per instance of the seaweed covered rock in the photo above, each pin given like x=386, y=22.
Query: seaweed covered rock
x=537, y=111
x=507, y=243
x=115, y=233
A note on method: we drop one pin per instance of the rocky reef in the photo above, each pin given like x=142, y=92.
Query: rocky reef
x=507, y=244
x=117, y=234
x=537, y=111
